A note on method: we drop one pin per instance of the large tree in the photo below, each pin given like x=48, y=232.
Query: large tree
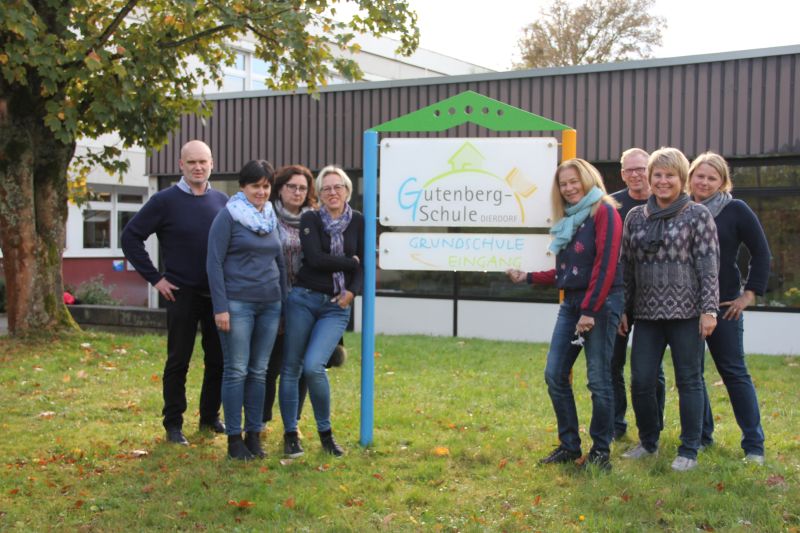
x=597, y=31
x=73, y=68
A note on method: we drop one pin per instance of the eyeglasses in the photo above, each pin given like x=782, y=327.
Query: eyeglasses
x=296, y=188
x=332, y=189
x=631, y=171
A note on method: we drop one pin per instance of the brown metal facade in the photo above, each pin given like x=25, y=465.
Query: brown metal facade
x=739, y=104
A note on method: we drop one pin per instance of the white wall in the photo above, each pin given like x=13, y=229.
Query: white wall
x=765, y=332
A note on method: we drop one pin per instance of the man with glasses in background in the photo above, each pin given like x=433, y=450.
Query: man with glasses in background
x=634, y=174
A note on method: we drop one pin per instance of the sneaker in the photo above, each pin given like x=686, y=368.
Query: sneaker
x=601, y=460
x=754, y=458
x=291, y=445
x=682, y=464
x=639, y=451
x=175, y=436
x=560, y=455
x=214, y=426
x=253, y=443
x=237, y=449
x=329, y=444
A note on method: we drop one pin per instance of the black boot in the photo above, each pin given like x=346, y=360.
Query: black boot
x=253, y=443
x=329, y=444
x=237, y=449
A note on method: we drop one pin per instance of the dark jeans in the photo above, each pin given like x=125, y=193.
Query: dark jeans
x=726, y=345
x=650, y=339
x=183, y=315
x=618, y=381
x=273, y=371
x=598, y=344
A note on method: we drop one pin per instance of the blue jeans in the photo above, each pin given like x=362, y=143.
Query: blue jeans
x=313, y=326
x=245, y=349
x=598, y=346
x=650, y=339
x=726, y=345
x=618, y=381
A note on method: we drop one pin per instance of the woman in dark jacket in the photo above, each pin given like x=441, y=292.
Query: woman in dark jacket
x=320, y=302
x=710, y=184
x=586, y=240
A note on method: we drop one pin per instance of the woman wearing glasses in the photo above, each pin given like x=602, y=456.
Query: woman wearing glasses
x=292, y=195
x=319, y=304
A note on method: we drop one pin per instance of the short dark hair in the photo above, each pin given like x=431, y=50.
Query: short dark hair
x=255, y=171
x=285, y=173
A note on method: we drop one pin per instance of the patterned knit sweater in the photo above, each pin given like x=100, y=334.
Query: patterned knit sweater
x=678, y=281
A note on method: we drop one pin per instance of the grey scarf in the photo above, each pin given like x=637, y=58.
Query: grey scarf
x=656, y=217
x=717, y=202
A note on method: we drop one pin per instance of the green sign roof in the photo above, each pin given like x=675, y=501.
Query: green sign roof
x=473, y=107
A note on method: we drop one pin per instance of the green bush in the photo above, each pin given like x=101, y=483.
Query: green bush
x=94, y=292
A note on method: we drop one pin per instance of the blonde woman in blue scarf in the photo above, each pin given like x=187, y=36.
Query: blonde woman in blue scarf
x=587, y=233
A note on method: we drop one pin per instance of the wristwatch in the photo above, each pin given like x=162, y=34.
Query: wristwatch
x=712, y=314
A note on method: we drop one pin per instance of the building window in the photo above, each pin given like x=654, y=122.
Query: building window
x=773, y=192
x=109, y=209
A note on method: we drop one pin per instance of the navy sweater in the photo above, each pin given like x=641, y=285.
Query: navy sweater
x=181, y=221
x=589, y=262
x=243, y=265
x=318, y=267
x=626, y=203
x=737, y=224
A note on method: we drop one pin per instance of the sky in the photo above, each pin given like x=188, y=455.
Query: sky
x=486, y=32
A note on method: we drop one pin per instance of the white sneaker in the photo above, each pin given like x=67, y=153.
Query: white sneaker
x=639, y=451
x=682, y=464
x=754, y=458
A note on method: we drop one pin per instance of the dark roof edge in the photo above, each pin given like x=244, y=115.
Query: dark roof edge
x=529, y=73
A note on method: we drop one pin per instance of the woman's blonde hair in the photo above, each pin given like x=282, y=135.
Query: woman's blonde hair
x=333, y=169
x=670, y=159
x=718, y=163
x=589, y=176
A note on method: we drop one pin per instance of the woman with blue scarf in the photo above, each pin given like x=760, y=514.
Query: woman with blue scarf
x=247, y=277
x=319, y=304
x=587, y=233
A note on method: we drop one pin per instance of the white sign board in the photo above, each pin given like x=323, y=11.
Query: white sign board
x=464, y=252
x=474, y=182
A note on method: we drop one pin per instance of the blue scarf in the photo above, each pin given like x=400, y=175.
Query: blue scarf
x=260, y=222
x=335, y=227
x=563, y=230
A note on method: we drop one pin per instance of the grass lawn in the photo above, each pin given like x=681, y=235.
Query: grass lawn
x=460, y=425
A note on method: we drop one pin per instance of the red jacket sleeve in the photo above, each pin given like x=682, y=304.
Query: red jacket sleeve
x=607, y=240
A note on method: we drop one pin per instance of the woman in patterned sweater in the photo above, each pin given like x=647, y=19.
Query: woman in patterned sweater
x=586, y=240
x=670, y=257
x=710, y=184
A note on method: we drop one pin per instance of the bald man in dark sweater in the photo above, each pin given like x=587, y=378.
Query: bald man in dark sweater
x=181, y=217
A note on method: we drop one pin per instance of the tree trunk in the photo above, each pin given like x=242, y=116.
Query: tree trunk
x=33, y=215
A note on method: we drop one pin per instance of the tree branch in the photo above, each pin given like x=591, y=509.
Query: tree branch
x=101, y=41
x=205, y=33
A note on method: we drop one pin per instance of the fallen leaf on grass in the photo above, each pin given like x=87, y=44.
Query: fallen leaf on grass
x=139, y=453
x=183, y=514
x=154, y=378
x=377, y=476
x=625, y=497
x=720, y=486
x=775, y=479
x=659, y=502
x=537, y=500
x=289, y=503
x=286, y=462
x=354, y=502
x=13, y=491
x=46, y=415
x=241, y=504
x=82, y=374
x=78, y=504
x=719, y=383
x=147, y=489
x=264, y=469
x=502, y=464
x=86, y=345
x=441, y=451
x=324, y=468
x=705, y=527
x=388, y=518
x=67, y=378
